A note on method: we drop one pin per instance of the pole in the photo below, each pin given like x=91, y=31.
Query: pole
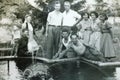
x=8, y=67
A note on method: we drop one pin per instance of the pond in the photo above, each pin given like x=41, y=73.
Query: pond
x=63, y=71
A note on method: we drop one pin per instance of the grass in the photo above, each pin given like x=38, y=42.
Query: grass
x=116, y=32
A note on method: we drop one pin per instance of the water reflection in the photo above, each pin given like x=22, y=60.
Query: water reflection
x=117, y=73
x=14, y=71
x=61, y=71
x=85, y=72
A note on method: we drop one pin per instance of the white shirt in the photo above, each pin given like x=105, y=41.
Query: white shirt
x=16, y=33
x=70, y=18
x=30, y=28
x=54, y=18
x=66, y=43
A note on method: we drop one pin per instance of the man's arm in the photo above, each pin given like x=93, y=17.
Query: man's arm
x=78, y=17
x=79, y=49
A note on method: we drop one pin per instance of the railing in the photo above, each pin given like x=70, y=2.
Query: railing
x=6, y=49
x=96, y=64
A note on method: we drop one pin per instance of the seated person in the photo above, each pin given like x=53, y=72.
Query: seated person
x=64, y=41
x=22, y=49
x=74, y=48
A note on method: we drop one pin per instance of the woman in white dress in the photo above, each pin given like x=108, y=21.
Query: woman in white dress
x=85, y=25
x=32, y=44
x=96, y=33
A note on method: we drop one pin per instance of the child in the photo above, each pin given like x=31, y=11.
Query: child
x=16, y=35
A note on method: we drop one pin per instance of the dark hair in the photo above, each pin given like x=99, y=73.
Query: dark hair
x=74, y=29
x=82, y=14
x=57, y=2
x=104, y=14
x=94, y=12
x=28, y=15
x=67, y=1
x=65, y=29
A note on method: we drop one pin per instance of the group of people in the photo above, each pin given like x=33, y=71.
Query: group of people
x=23, y=37
x=70, y=34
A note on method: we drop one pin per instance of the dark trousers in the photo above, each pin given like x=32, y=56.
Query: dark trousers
x=93, y=54
x=52, y=42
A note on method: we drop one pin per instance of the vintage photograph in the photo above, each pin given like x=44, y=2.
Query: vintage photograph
x=59, y=39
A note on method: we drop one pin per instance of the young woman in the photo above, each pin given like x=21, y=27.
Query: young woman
x=96, y=33
x=86, y=27
x=107, y=38
x=32, y=44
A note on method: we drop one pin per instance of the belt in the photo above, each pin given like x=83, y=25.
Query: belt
x=54, y=25
x=105, y=31
x=67, y=26
x=87, y=29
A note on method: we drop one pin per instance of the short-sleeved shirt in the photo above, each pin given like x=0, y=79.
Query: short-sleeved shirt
x=54, y=18
x=70, y=18
x=85, y=25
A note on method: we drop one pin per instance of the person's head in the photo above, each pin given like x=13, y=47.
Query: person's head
x=65, y=33
x=57, y=6
x=85, y=15
x=94, y=15
x=74, y=38
x=18, y=22
x=74, y=29
x=28, y=18
x=25, y=33
x=30, y=11
x=103, y=17
x=67, y=5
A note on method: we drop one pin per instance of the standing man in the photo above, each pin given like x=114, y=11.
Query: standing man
x=70, y=17
x=54, y=21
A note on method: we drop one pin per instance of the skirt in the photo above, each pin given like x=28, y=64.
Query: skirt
x=95, y=39
x=107, y=47
x=32, y=46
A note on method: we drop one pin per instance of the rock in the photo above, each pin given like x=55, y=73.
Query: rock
x=37, y=71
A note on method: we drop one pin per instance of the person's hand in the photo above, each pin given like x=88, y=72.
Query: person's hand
x=55, y=56
x=12, y=42
x=69, y=45
x=115, y=40
x=72, y=46
x=46, y=34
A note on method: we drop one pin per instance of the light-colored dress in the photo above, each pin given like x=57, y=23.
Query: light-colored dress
x=106, y=44
x=95, y=36
x=32, y=44
x=85, y=30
